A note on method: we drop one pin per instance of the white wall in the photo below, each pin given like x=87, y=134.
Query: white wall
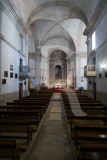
x=10, y=55
x=45, y=71
x=101, y=55
x=71, y=73
x=31, y=47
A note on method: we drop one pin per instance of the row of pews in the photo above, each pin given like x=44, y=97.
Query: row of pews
x=19, y=120
x=87, y=119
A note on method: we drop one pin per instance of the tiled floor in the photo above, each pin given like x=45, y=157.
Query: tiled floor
x=52, y=142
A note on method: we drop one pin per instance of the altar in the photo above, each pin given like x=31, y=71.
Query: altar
x=58, y=86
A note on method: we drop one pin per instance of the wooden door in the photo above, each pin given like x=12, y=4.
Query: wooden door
x=20, y=90
x=94, y=91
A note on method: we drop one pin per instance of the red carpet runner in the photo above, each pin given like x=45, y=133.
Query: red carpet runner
x=57, y=90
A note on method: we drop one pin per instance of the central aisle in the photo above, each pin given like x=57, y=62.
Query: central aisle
x=52, y=142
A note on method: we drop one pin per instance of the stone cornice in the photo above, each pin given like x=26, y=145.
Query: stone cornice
x=44, y=58
x=95, y=16
x=2, y=38
x=9, y=8
x=81, y=54
x=72, y=58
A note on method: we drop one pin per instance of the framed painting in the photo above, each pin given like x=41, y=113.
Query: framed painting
x=11, y=74
x=5, y=73
x=3, y=81
x=15, y=75
x=11, y=67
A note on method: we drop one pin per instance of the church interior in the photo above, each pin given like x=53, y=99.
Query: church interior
x=53, y=86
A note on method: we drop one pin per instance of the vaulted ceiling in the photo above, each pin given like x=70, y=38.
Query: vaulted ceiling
x=57, y=24
x=27, y=7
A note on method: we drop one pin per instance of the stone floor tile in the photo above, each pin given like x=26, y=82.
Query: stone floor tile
x=53, y=142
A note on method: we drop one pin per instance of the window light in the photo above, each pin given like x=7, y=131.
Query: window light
x=93, y=41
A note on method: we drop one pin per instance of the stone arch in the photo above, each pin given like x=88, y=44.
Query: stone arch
x=78, y=13
x=71, y=46
x=59, y=78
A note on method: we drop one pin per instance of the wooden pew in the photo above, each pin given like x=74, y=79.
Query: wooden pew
x=33, y=112
x=86, y=109
x=89, y=117
x=84, y=104
x=30, y=114
x=26, y=104
x=93, y=147
x=16, y=129
x=82, y=101
x=42, y=109
x=8, y=149
x=73, y=109
x=6, y=123
x=7, y=144
x=88, y=127
x=14, y=154
x=70, y=106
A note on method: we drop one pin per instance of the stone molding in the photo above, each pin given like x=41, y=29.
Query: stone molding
x=72, y=58
x=8, y=7
x=45, y=58
x=99, y=8
x=2, y=38
x=81, y=54
x=76, y=11
x=31, y=55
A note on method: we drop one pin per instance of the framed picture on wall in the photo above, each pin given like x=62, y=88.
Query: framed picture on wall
x=11, y=67
x=106, y=74
x=11, y=74
x=3, y=81
x=15, y=75
x=5, y=73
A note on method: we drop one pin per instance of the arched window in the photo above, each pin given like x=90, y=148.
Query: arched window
x=58, y=72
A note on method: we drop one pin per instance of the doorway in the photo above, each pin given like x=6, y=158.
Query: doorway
x=20, y=90
x=94, y=91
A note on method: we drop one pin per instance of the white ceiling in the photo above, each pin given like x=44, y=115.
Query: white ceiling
x=26, y=7
x=57, y=23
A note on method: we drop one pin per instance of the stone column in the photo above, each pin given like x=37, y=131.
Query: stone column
x=81, y=58
x=38, y=68
x=0, y=69
x=88, y=49
x=78, y=71
x=0, y=51
x=72, y=71
x=67, y=80
x=26, y=62
x=45, y=71
x=26, y=50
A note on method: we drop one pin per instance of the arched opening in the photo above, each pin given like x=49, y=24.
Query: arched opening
x=57, y=69
x=58, y=72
